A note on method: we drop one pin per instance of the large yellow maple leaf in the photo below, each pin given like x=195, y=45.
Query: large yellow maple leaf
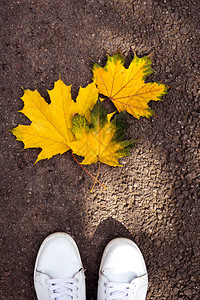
x=52, y=123
x=126, y=88
x=101, y=140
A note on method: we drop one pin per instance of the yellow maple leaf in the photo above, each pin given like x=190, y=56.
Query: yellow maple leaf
x=85, y=101
x=52, y=123
x=99, y=141
x=126, y=88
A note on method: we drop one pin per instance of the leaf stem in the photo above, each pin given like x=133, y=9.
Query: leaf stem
x=96, y=177
x=89, y=172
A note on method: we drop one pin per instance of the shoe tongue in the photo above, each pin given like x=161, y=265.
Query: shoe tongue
x=116, y=275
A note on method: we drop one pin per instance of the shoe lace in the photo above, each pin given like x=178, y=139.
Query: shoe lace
x=63, y=288
x=120, y=291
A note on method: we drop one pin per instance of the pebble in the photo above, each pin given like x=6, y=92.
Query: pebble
x=130, y=188
x=193, y=278
x=188, y=292
x=179, y=157
x=183, y=30
x=181, y=238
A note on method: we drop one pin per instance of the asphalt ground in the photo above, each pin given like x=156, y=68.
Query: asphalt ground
x=153, y=199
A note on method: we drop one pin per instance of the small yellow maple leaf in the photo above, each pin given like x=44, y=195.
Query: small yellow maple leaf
x=126, y=88
x=99, y=141
x=52, y=123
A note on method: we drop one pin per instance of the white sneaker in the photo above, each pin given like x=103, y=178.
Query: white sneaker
x=59, y=272
x=122, y=273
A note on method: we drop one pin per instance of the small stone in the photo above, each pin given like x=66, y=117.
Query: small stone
x=81, y=177
x=185, y=193
x=6, y=273
x=188, y=292
x=181, y=238
x=123, y=161
x=179, y=157
x=183, y=30
x=193, y=278
x=176, y=290
x=130, y=188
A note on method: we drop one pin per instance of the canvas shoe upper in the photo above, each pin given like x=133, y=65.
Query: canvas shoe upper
x=59, y=272
x=122, y=273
